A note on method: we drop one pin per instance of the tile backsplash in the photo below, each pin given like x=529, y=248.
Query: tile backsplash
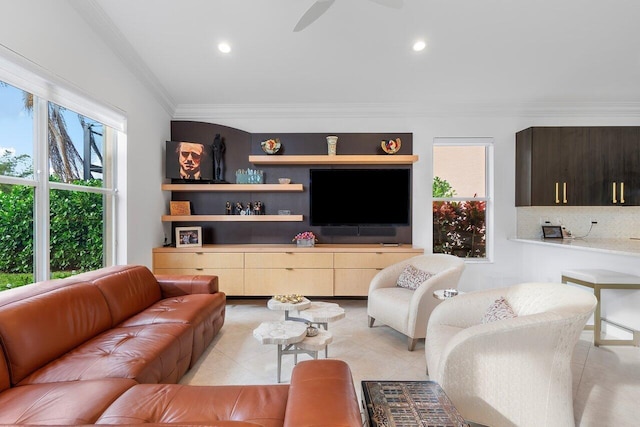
x=613, y=222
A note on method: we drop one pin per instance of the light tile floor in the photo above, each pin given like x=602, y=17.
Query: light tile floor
x=606, y=379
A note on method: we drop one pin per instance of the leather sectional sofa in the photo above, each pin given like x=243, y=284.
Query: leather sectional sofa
x=109, y=347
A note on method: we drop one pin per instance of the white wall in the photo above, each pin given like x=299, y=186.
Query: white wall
x=55, y=38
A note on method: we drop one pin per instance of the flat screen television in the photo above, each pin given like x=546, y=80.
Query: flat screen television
x=360, y=197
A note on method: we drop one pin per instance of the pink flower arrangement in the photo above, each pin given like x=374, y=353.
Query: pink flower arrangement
x=306, y=235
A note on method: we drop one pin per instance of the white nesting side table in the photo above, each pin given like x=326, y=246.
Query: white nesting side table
x=314, y=312
x=599, y=279
x=284, y=334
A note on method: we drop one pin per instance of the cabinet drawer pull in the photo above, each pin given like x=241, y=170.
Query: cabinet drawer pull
x=199, y=253
x=557, y=193
x=564, y=192
x=622, y=192
x=199, y=269
x=289, y=269
x=289, y=253
x=614, y=198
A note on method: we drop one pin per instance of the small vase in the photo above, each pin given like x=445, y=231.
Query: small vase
x=305, y=243
x=332, y=142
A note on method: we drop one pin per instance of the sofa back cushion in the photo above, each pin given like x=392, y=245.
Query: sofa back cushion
x=37, y=330
x=127, y=289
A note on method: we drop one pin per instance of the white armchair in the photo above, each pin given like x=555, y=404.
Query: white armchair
x=405, y=310
x=515, y=371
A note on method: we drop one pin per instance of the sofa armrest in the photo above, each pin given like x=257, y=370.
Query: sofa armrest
x=322, y=394
x=173, y=285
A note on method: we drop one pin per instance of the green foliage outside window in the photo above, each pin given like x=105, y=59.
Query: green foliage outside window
x=76, y=231
x=442, y=188
x=459, y=227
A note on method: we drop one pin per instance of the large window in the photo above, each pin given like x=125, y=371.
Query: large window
x=461, y=196
x=57, y=221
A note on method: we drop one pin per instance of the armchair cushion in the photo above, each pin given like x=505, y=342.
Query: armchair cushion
x=499, y=310
x=411, y=277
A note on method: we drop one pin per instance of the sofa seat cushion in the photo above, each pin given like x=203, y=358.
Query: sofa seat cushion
x=204, y=312
x=192, y=309
x=68, y=403
x=148, y=354
x=263, y=405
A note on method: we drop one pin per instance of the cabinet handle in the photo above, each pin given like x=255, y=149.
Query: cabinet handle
x=289, y=253
x=199, y=253
x=289, y=269
x=199, y=269
x=614, y=198
x=622, y=192
x=557, y=193
x=564, y=192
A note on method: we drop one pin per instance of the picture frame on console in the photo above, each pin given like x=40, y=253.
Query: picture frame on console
x=187, y=237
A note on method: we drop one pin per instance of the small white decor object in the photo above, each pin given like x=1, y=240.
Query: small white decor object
x=332, y=142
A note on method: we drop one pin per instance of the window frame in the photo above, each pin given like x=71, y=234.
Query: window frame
x=24, y=75
x=488, y=144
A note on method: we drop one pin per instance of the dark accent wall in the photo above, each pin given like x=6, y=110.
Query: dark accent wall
x=240, y=144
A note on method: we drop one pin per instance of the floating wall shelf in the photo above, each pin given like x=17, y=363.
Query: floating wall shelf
x=231, y=218
x=233, y=187
x=334, y=160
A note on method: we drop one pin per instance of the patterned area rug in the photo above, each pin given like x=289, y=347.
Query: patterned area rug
x=409, y=403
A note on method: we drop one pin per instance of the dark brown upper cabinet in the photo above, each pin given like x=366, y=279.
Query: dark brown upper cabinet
x=578, y=166
x=617, y=155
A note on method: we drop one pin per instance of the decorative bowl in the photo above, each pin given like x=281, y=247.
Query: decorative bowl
x=450, y=293
x=284, y=180
x=270, y=146
x=392, y=146
x=312, y=331
x=292, y=298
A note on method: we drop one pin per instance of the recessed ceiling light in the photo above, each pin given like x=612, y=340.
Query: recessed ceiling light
x=224, y=47
x=419, y=45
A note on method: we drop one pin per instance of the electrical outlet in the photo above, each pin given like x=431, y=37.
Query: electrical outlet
x=594, y=221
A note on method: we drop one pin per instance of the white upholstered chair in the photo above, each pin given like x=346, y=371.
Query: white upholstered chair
x=405, y=310
x=515, y=371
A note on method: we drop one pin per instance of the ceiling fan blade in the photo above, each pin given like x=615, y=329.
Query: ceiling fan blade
x=396, y=4
x=315, y=11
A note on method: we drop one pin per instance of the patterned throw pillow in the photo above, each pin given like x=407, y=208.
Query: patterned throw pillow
x=499, y=310
x=412, y=278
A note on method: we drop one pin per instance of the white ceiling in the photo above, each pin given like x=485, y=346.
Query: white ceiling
x=500, y=53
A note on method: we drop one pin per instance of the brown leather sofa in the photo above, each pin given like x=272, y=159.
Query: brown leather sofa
x=109, y=346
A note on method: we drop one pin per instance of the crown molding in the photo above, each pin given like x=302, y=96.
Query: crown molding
x=100, y=22
x=538, y=109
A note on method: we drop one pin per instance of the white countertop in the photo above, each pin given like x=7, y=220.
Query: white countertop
x=630, y=247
